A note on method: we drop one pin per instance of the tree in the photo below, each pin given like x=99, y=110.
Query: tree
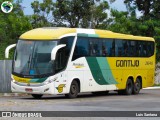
x=42, y=13
x=79, y=13
x=122, y=22
x=71, y=12
x=146, y=25
x=99, y=15
x=149, y=8
x=12, y=25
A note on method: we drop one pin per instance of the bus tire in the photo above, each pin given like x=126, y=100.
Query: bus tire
x=37, y=96
x=74, y=90
x=137, y=86
x=129, y=87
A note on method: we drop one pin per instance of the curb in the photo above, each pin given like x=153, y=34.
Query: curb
x=152, y=88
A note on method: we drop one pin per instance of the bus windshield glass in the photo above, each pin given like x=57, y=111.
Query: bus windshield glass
x=33, y=58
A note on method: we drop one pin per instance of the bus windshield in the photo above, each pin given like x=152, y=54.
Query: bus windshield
x=33, y=58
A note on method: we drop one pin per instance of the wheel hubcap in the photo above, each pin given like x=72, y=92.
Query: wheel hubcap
x=137, y=86
x=73, y=89
x=129, y=87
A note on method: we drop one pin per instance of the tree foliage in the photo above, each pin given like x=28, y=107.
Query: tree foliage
x=12, y=25
x=69, y=13
x=42, y=13
x=146, y=25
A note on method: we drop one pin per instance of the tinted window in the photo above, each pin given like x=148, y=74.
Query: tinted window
x=101, y=47
x=68, y=41
x=150, y=48
x=108, y=47
x=132, y=48
x=119, y=48
x=95, y=47
x=145, y=49
x=63, y=54
x=128, y=48
x=81, y=48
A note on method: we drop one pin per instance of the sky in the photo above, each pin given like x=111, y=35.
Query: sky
x=119, y=5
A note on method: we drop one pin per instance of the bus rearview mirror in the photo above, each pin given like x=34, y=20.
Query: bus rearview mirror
x=7, y=50
x=55, y=49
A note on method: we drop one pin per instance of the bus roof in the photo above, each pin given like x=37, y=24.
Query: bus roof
x=51, y=33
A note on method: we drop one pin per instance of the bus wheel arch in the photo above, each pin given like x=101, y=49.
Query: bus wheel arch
x=79, y=85
x=137, y=85
x=74, y=88
x=140, y=78
x=129, y=87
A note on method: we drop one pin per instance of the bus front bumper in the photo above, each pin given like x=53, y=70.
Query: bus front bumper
x=44, y=89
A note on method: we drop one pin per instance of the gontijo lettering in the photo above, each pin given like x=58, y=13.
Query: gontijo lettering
x=127, y=63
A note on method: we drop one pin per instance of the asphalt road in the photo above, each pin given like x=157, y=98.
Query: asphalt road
x=147, y=100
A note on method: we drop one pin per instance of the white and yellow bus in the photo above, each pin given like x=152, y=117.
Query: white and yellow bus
x=74, y=60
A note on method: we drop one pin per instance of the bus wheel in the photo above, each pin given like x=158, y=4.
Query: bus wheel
x=74, y=90
x=129, y=87
x=137, y=86
x=37, y=96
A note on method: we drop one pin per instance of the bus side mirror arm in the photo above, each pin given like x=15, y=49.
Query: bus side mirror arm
x=7, y=50
x=54, y=51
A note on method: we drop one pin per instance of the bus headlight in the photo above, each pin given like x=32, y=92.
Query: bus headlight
x=47, y=81
x=13, y=80
x=50, y=80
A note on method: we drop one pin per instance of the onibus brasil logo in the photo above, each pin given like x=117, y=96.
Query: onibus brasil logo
x=6, y=7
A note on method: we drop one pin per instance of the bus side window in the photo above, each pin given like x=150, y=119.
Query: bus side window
x=104, y=49
x=92, y=48
x=119, y=48
x=95, y=47
x=131, y=48
x=150, y=49
x=137, y=49
x=63, y=54
x=109, y=45
x=81, y=48
x=61, y=60
x=125, y=47
x=68, y=41
x=113, y=48
x=145, y=49
x=140, y=49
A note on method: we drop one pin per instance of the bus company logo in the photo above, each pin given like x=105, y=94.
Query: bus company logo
x=6, y=7
x=78, y=65
x=60, y=88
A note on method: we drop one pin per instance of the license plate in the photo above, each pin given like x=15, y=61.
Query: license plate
x=28, y=89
